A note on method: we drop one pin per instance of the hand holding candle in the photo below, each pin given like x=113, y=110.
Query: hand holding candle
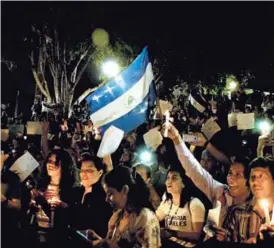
x=265, y=205
x=166, y=123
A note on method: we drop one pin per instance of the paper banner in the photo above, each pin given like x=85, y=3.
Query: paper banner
x=111, y=140
x=196, y=104
x=14, y=129
x=24, y=166
x=245, y=121
x=153, y=138
x=4, y=134
x=213, y=218
x=210, y=128
x=232, y=119
x=34, y=128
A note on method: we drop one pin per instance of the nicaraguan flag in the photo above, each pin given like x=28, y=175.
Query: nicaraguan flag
x=124, y=101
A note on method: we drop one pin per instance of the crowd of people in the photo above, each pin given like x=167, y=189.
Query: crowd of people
x=76, y=199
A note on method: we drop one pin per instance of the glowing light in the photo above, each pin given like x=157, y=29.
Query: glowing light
x=110, y=68
x=264, y=126
x=232, y=85
x=146, y=157
x=265, y=205
x=25, y=137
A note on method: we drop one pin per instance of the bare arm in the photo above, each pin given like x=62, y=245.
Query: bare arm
x=44, y=139
x=199, y=176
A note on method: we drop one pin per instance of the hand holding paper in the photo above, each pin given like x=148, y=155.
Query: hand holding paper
x=213, y=219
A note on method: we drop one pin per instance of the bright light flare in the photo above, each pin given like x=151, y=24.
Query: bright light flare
x=265, y=127
x=146, y=157
x=232, y=85
x=110, y=68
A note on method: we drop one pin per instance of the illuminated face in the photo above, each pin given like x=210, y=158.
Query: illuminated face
x=53, y=167
x=174, y=183
x=116, y=198
x=89, y=174
x=236, y=180
x=261, y=182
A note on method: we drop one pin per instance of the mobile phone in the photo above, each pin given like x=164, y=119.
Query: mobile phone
x=190, y=138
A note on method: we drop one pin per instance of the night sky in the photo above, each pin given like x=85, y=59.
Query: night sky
x=199, y=39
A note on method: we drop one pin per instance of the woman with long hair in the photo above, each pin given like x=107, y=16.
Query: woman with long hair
x=51, y=197
x=182, y=214
x=133, y=224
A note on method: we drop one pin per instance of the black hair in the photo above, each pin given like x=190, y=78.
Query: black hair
x=99, y=165
x=186, y=192
x=138, y=195
x=262, y=162
x=245, y=161
x=69, y=177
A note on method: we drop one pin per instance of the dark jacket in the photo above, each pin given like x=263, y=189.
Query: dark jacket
x=94, y=213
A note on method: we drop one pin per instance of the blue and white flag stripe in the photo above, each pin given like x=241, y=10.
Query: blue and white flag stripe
x=124, y=101
x=122, y=83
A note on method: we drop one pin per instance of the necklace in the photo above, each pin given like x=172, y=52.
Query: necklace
x=171, y=219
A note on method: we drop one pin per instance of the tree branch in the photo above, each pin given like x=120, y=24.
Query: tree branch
x=81, y=73
x=37, y=80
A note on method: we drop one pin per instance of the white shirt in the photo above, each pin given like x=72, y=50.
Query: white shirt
x=181, y=218
x=203, y=180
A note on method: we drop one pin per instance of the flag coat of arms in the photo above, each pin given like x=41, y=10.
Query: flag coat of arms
x=125, y=100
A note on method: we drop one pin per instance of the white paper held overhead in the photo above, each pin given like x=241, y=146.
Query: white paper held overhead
x=245, y=121
x=24, y=166
x=210, y=128
x=111, y=140
x=153, y=138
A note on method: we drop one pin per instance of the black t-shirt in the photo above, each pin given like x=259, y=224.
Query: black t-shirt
x=94, y=213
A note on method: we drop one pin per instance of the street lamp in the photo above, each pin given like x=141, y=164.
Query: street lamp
x=110, y=68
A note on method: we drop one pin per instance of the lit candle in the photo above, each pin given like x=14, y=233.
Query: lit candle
x=265, y=204
x=272, y=219
x=167, y=121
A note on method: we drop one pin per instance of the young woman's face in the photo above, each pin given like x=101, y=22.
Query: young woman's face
x=53, y=167
x=89, y=174
x=117, y=199
x=174, y=183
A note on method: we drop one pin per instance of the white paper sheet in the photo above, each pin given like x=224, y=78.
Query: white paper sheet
x=153, y=138
x=34, y=128
x=245, y=121
x=4, y=134
x=213, y=218
x=232, y=119
x=111, y=140
x=24, y=166
x=210, y=128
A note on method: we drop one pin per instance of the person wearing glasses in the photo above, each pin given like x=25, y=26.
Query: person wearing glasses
x=50, y=198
